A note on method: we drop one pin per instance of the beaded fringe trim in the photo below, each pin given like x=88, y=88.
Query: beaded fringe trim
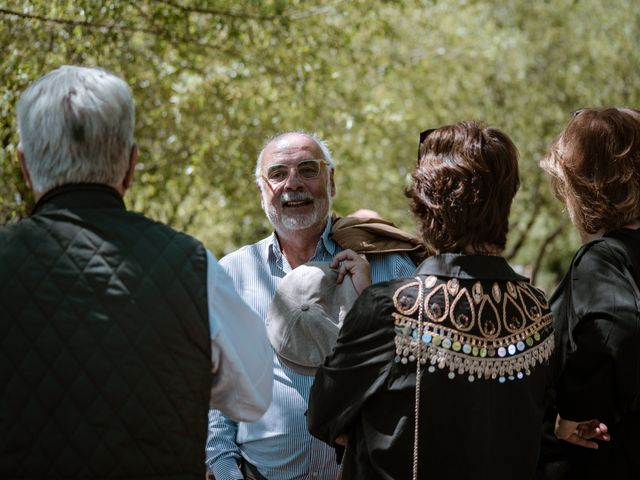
x=445, y=340
x=510, y=368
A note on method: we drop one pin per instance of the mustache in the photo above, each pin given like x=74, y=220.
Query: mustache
x=295, y=197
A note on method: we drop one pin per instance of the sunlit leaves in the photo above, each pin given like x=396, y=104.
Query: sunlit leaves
x=212, y=80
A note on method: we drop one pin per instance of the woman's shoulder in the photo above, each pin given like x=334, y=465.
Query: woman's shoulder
x=613, y=251
x=492, y=328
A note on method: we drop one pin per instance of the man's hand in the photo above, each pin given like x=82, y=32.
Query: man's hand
x=349, y=262
x=581, y=433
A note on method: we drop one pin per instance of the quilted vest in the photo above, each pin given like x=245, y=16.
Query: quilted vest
x=105, y=353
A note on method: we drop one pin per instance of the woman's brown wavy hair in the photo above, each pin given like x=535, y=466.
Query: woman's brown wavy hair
x=594, y=167
x=463, y=186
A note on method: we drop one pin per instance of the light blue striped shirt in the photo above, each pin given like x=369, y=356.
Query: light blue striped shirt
x=278, y=444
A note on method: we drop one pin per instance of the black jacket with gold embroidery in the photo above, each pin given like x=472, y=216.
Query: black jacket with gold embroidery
x=482, y=343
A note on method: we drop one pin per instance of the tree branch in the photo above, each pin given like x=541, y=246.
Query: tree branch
x=79, y=23
x=220, y=13
x=525, y=232
x=247, y=16
x=543, y=248
x=114, y=27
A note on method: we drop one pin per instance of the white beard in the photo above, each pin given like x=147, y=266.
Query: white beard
x=292, y=221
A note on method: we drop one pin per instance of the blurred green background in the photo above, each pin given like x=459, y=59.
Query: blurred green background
x=213, y=79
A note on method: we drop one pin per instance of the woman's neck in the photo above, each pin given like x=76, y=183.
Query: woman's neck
x=483, y=249
x=587, y=237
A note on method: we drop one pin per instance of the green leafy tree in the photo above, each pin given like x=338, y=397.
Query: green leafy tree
x=212, y=80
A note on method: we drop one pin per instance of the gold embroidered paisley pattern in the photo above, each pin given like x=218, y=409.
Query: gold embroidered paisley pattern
x=403, y=303
x=501, y=334
x=461, y=320
x=436, y=304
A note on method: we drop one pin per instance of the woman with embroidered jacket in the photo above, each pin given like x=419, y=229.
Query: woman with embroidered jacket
x=444, y=375
x=595, y=171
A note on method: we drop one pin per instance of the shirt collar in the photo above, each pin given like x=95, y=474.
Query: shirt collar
x=478, y=267
x=79, y=195
x=325, y=239
x=325, y=244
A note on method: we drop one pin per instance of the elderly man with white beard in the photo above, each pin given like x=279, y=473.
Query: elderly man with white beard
x=295, y=175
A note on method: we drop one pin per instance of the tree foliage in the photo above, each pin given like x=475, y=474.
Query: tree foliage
x=213, y=79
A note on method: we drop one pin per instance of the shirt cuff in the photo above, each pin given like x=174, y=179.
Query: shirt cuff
x=226, y=469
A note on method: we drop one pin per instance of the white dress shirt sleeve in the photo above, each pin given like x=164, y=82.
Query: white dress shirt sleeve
x=241, y=354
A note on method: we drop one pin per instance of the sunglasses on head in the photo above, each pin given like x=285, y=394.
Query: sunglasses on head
x=423, y=136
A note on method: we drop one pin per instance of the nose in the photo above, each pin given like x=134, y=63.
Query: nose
x=293, y=181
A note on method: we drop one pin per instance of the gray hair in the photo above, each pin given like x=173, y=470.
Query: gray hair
x=76, y=125
x=322, y=145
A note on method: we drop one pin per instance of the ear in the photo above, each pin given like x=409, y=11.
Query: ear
x=23, y=167
x=133, y=160
x=333, y=184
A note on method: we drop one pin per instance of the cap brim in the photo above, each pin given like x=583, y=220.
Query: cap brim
x=301, y=369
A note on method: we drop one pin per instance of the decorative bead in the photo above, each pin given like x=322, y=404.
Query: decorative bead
x=511, y=349
x=495, y=291
x=466, y=348
x=446, y=343
x=477, y=292
x=452, y=286
x=451, y=375
x=520, y=346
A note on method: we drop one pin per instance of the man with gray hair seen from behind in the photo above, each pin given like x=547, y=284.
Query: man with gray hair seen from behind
x=118, y=333
x=295, y=175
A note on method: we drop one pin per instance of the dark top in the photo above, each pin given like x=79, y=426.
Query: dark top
x=486, y=339
x=596, y=310
x=105, y=357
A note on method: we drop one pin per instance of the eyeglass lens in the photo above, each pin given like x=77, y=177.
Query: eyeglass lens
x=305, y=169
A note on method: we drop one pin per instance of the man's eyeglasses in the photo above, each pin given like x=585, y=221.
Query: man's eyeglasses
x=423, y=136
x=307, y=169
